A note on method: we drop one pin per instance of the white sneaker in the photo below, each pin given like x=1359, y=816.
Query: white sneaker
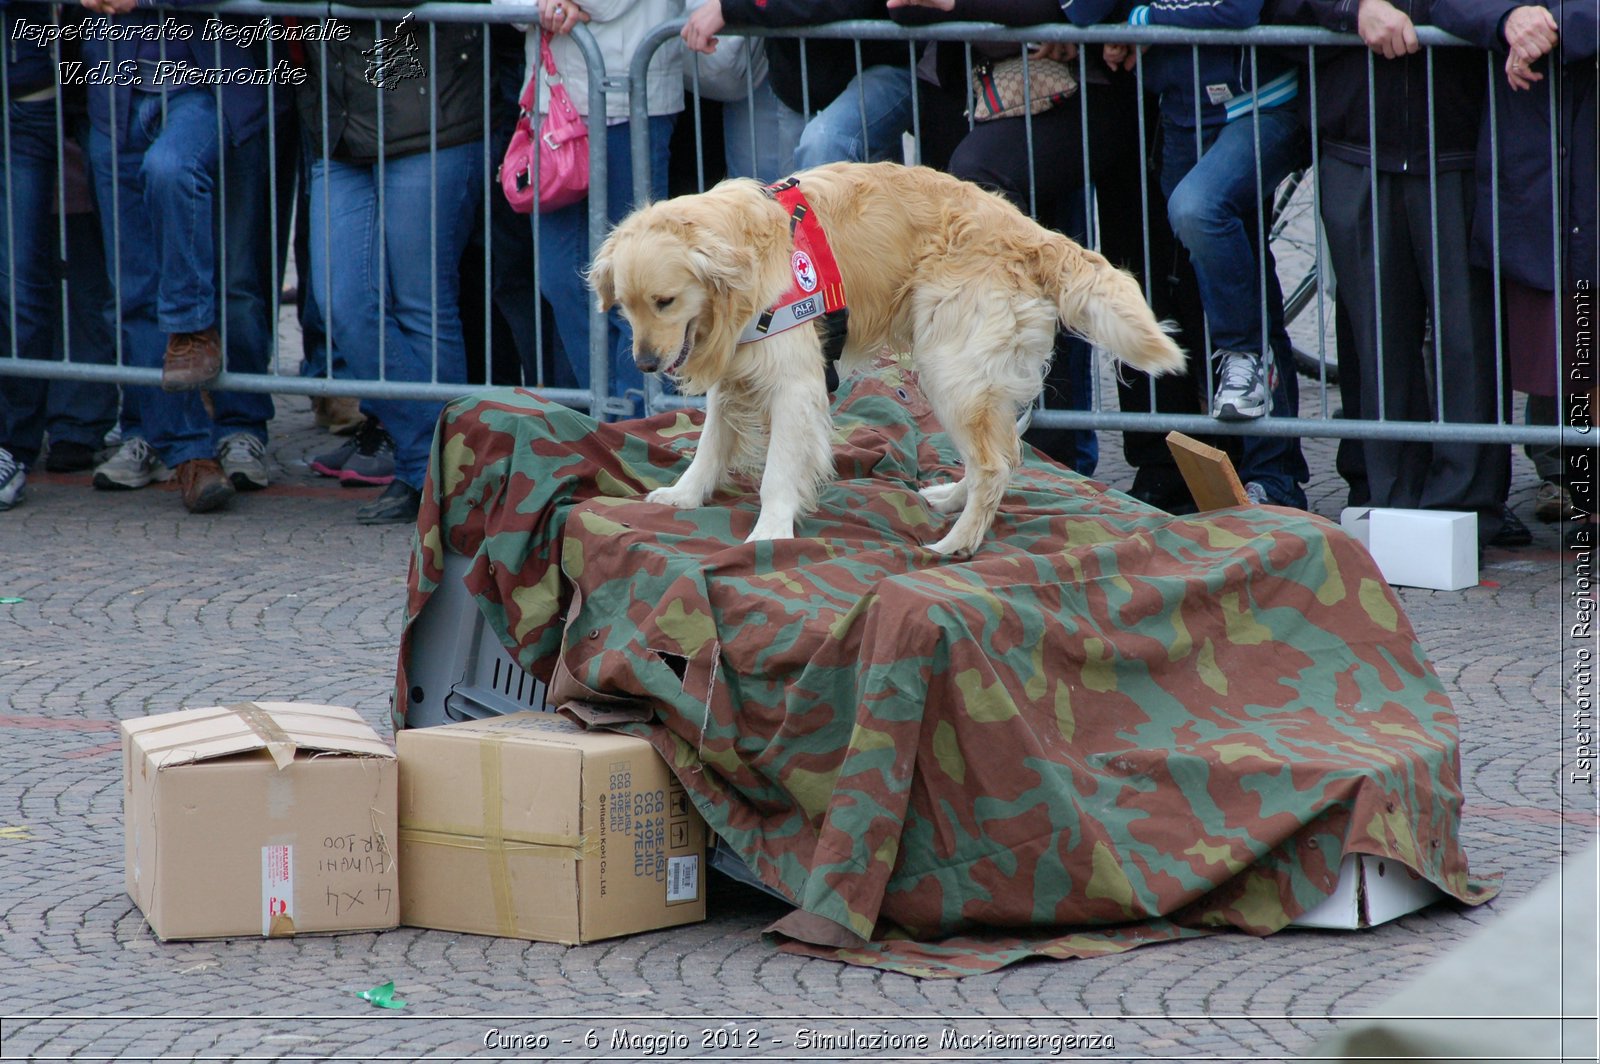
x=12, y=480
x=1244, y=386
x=244, y=460
x=133, y=466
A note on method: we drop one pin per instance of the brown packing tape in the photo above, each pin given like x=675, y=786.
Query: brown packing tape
x=565, y=848
x=255, y=720
x=279, y=745
x=494, y=839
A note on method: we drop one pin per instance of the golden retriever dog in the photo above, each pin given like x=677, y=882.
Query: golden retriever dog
x=931, y=264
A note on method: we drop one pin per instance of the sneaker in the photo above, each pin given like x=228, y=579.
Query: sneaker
x=398, y=504
x=1513, y=533
x=1257, y=494
x=192, y=361
x=244, y=459
x=1553, y=502
x=372, y=464
x=69, y=456
x=13, y=479
x=204, y=485
x=329, y=463
x=1244, y=386
x=133, y=466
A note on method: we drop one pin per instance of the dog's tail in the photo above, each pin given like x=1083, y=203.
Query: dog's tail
x=1104, y=305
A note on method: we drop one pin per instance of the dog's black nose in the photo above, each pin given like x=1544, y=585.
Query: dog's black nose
x=647, y=363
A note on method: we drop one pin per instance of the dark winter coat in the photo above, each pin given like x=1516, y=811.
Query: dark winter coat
x=446, y=101
x=1400, y=87
x=1522, y=121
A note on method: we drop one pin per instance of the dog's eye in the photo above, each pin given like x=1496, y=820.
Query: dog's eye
x=664, y=302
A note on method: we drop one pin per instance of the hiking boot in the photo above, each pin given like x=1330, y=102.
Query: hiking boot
x=69, y=456
x=1244, y=386
x=339, y=414
x=398, y=504
x=244, y=458
x=12, y=480
x=1553, y=502
x=372, y=464
x=193, y=360
x=133, y=466
x=204, y=485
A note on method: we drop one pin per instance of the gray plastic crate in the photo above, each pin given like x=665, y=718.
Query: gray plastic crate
x=458, y=668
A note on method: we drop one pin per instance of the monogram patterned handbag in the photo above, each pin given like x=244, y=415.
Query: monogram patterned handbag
x=997, y=87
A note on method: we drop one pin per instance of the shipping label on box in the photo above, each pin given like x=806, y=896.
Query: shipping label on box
x=528, y=826
x=269, y=818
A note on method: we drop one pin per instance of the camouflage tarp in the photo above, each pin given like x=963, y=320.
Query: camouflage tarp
x=1109, y=727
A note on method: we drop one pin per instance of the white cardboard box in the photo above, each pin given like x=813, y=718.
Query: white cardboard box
x=1371, y=891
x=1435, y=549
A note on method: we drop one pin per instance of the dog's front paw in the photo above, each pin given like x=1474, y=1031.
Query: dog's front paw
x=771, y=528
x=945, y=498
x=678, y=497
x=956, y=545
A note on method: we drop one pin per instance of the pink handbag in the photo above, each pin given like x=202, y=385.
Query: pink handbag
x=561, y=143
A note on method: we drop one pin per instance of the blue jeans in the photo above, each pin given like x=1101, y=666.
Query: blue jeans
x=1214, y=205
x=156, y=215
x=760, y=122
x=246, y=285
x=73, y=411
x=363, y=308
x=836, y=134
x=563, y=250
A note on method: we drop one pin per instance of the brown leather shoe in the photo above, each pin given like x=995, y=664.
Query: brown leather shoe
x=204, y=485
x=193, y=360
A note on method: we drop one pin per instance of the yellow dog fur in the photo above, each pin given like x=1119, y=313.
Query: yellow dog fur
x=931, y=264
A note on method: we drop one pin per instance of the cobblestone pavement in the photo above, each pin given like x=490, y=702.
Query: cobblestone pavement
x=130, y=607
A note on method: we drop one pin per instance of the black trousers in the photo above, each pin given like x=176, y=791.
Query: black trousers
x=1391, y=273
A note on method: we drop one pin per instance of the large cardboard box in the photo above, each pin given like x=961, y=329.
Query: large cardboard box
x=263, y=818
x=527, y=826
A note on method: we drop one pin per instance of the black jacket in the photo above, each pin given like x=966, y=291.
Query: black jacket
x=829, y=64
x=448, y=94
x=1401, y=90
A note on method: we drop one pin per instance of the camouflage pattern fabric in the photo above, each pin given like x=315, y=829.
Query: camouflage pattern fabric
x=1109, y=727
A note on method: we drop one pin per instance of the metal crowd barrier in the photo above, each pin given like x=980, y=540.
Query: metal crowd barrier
x=279, y=377
x=1310, y=293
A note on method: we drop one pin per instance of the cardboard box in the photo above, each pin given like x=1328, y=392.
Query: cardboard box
x=1371, y=891
x=1436, y=549
x=263, y=818
x=527, y=826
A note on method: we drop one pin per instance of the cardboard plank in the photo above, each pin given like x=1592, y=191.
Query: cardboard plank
x=1208, y=472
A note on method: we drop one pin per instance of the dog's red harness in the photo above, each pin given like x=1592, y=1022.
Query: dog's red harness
x=816, y=291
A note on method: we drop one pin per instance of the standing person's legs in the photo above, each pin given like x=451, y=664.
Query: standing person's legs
x=1381, y=279
x=246, y=283
x=174, y=424
x=760, y=135
x=430, y=206
x=1460, y=476
x=27, y=292
x=1215, y=207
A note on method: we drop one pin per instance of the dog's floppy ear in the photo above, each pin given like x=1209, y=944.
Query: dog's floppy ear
x=719, y=263
x=601, y=276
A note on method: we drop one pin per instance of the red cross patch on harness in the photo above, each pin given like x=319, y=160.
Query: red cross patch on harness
x=816, y=290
